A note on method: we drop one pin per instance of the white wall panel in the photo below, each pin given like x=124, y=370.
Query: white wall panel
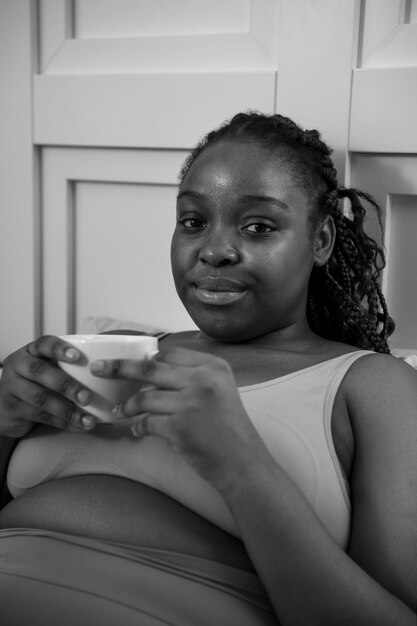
x=388, y=36
x=151, y=89
x=149, y=18
x=401, y=273
x=383, y=110
x=19, y=199
x=392, y=180
x=317, y=47
x=133, y=111
x=122, y=253
x=107, y=221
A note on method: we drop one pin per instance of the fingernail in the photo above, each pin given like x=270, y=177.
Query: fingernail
x=97, y=367
x=117, y=410
x=71, y=354
x=150, y=355
x=136, y=429
x=87, y=422
x=83, y=396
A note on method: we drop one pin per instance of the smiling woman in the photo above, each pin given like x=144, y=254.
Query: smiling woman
x=248, y=480
x=241, y=230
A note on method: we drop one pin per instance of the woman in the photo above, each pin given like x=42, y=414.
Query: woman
x=275, y=447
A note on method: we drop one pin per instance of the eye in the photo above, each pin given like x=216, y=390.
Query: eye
x=191, y=222
x=259, y=228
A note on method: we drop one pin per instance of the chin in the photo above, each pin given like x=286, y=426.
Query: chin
x=226, y=332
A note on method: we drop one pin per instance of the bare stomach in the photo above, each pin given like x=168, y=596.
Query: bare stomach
x=118, y=509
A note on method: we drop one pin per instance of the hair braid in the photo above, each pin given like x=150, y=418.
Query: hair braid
x=345, y=301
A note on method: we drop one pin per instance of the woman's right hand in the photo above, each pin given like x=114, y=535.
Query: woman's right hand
x=33, y=389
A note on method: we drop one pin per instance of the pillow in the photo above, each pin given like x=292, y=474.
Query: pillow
x=409, y=356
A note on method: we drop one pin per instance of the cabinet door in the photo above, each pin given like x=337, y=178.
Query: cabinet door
x=126, y=88
x=383, y=145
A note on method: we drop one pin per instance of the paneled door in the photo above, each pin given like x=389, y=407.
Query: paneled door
x=125, y=89
x=383, y=146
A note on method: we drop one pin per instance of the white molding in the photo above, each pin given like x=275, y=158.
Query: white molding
x=55, y=26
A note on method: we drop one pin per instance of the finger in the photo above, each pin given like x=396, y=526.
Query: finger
x=46, y=374
x=73, y=418
x=149, y=401
x=150, y=371
x=157, y=425
x=47, y=405
x=49, y=346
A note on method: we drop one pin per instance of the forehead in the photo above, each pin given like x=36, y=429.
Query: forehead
x=241, y=167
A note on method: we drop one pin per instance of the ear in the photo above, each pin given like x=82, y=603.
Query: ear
x=324, y=241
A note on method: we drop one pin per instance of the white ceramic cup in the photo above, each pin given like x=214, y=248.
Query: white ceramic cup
x=107, y=392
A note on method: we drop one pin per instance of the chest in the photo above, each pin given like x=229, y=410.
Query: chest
x=255, y=364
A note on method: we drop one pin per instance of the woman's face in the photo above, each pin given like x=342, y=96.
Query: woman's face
x=241, y=252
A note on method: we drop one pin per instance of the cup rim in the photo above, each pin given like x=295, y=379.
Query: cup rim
x=97, y=338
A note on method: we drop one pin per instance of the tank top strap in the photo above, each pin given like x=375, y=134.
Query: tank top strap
x=340, y=371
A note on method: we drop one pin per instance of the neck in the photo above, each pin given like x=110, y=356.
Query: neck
x=293, y=338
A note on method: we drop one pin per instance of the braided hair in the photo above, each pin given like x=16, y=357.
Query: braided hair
x=345, y=301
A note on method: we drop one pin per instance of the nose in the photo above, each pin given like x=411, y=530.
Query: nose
x=218, y=250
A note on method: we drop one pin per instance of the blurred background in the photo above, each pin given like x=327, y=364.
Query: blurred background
x=100, y=101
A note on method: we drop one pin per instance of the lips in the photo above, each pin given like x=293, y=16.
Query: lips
x=218, y=291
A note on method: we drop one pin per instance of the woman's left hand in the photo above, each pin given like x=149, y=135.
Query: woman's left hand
x=190, y=399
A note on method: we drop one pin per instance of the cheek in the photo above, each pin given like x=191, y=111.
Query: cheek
x=181, y=258
x=290, y=265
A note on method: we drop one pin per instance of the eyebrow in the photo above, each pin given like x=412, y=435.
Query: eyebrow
x=196, y=195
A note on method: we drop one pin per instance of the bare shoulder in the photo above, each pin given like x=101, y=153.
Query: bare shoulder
x=381, y=395
x=381, y=398
x=377, y=379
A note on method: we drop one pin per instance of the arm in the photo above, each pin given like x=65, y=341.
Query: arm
x=194, y=404
x=308, y=578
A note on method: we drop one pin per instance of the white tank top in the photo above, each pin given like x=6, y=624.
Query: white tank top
x=291, y=413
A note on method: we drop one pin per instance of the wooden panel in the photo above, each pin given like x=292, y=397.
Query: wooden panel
x=122, y=251
x=384, y=88
x=399, y=49
x=401, y=274
x=160, y=55
x=132, y=18
x=18, y=183
x=383, y=111
x=107, y=221
x=388, y=34
x=162, y=90
x=392, y=180
x=317, y=46
x=55, y=19
x=132, y=111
